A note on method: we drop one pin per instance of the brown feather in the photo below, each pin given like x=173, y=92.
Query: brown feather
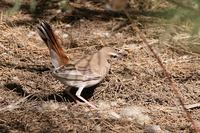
x=53, y=43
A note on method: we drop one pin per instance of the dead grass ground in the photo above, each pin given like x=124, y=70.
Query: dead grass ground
x=135, y=82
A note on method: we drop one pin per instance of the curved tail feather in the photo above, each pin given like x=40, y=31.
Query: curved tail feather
x=58, y=57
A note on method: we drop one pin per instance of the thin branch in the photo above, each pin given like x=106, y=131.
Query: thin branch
x=167, y=74
x=193, y=106
x=15, y=105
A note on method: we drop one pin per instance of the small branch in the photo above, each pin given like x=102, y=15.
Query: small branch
x=167, y=74
x=15, y=105
x=193, y=106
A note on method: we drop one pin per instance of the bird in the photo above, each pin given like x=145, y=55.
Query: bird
x=82, y=73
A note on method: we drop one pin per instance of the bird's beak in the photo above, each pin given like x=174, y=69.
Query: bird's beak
x=121, y=53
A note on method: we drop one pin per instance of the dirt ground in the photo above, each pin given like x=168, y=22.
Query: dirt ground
x=135, y=94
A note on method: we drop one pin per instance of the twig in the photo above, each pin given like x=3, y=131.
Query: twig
x=14, y=105
x=178, y=108
x=192, y=106
x=167, y=74
x=119, y=26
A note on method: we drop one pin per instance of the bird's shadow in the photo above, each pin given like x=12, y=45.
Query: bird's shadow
x=61, y=96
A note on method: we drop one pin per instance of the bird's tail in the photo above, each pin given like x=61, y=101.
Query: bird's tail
x=53, y=43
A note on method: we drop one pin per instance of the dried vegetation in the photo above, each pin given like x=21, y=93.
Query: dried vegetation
x=134, y=97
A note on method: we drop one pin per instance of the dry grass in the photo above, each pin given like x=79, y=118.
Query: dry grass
x=135, y=82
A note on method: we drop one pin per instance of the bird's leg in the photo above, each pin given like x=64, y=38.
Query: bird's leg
x=72, y=96
x=76, y=100
x=78, y=94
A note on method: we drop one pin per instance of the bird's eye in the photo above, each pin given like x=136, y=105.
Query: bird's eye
x=114, y=56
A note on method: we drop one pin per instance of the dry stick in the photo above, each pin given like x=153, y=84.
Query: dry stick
x=168, y=75
x=192, y=106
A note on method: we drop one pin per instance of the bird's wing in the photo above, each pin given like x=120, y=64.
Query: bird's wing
x=70, y=72
x=94, y=64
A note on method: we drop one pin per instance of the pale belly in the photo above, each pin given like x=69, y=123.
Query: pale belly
x=79, y=84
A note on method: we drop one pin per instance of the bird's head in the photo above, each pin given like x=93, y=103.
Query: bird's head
x=109, y=52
